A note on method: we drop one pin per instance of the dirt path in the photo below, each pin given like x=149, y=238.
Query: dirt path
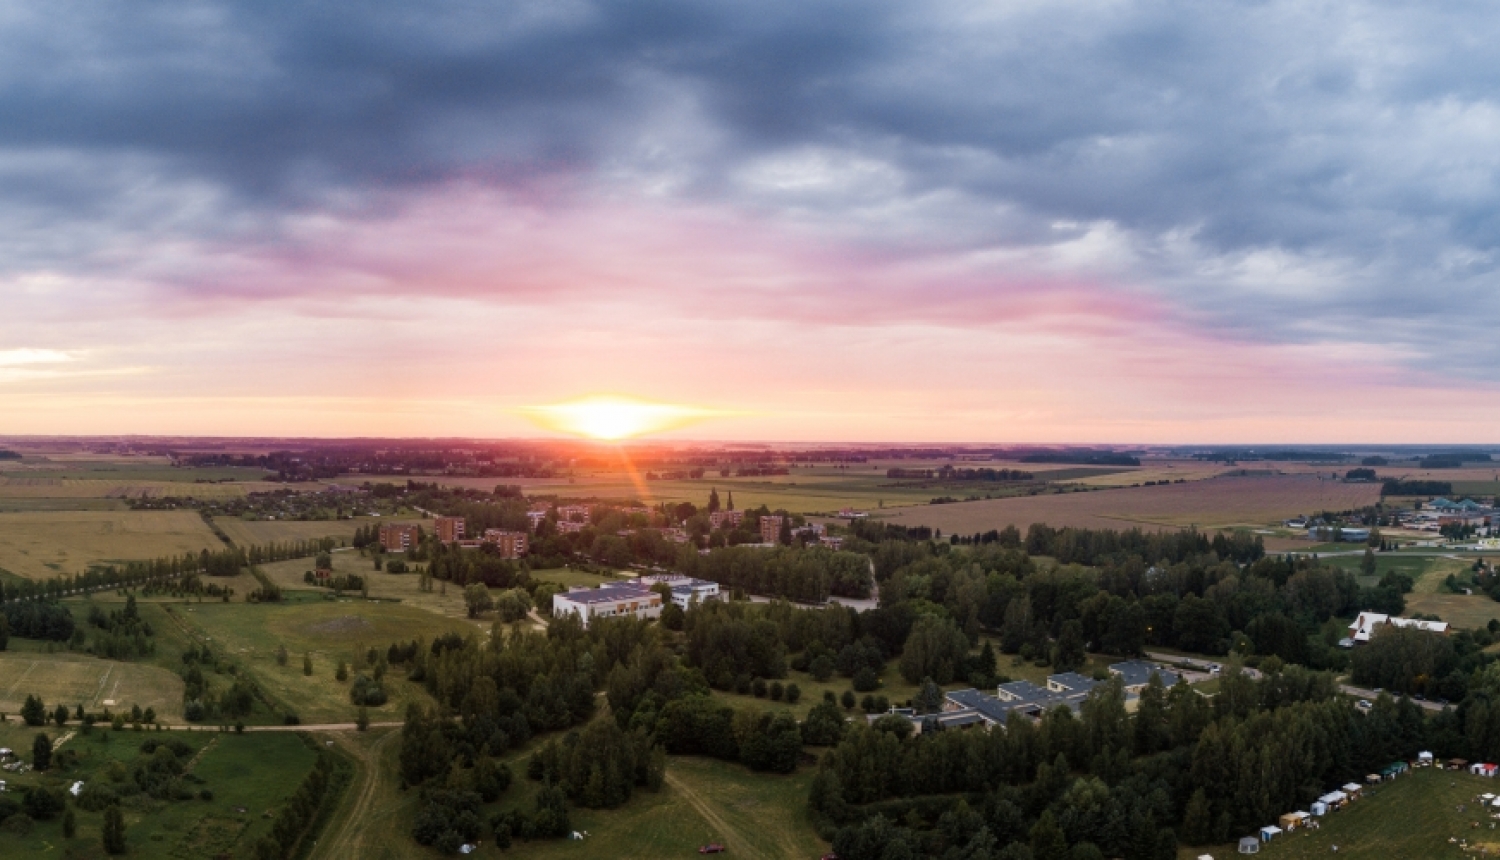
x=728, y=835
x=345, y=836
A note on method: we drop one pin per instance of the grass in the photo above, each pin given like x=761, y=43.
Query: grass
x=249, y=775
x=262, y=532
x=1413, y=816
x=570, y=577
x=39, y=545
x=444, y=600
x=330, y=631
x=74, y=679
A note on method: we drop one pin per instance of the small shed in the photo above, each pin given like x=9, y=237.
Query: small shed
x=1269, y=832
x=1249, y=845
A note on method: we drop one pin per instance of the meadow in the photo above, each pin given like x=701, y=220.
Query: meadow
x=42, y=544
x=1212, y=503
x=1412, y=816
x=330, y=630
x=248, y=776
x=73, y=679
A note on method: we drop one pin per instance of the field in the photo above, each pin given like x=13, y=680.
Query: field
x=248, y=775
x=331, y=630
x=73, y=679
x=1213, y=503
x=444, y=600
x=1413, y=816
x=262, y=532
x=38, y=544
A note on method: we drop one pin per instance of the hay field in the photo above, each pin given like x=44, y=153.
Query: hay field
x=1157, y=470
x=37, y=544
x=261, y=532
x=41, y=486
x=1211, y=503
x=444, y=600
x=74, y=679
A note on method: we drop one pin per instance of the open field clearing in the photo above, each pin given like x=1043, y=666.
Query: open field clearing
x=1412, y=816
x=446, y=601
x=35, y=487
x=1212, y=503
x=74, y=679
x=262, y=532
x=39, y=544
x=1156, y=470
x=330, y=631
x=248, y=775
x=1460, y=610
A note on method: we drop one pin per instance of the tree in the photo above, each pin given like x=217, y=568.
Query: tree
x=1367, y=564
x=362, y=720
x=713, y=501
x=307, y=663
x=1068, y=654
x=113, y=836
x=1197, y=822
x=34, y=712
x=929, y=699
x=70, y=824
x=784, y=537
x=342, y=673
x=477, y=599
x=281, y=655
x=1047, y=839
x=935, y=648
x=4, y=632
x=60, y=715
x=41, y=752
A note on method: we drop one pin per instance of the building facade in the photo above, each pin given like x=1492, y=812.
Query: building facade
x=448, y=529
x=398, y=538
x=770, y=529
x=610, y=600
x=511, y=544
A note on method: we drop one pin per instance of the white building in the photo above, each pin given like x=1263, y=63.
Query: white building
x=685, y=589
x=1368, y=622
x=607, y=601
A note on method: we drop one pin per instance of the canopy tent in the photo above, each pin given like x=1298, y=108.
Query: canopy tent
x=1269, y=832
x=1319, y=808
x=1249, y=845
x=1352, y=789
x=1424, y=756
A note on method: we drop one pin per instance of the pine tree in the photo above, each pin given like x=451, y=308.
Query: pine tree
x=60, y=716
x=114, y=831
x=307, y=663
x=1197, y=822
x=731, y=501
x=1068, y=654
x=34, y=712
x=713, y=500
x=1047, y=839
x=41, y=752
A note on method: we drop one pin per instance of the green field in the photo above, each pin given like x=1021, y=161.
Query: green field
x=330, y=631
x=1412, y=816
x=38, y=545
x=73, y=679
x=249, y=775
x=443, y=600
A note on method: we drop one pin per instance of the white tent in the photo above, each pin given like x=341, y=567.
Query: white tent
x=1269, y=832
x=1319, y=808
x=1424, y=756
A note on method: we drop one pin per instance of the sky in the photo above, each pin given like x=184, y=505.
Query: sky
x=1133, y=222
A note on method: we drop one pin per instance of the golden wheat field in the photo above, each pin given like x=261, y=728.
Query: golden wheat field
x=41, y=544
x=1210, y=503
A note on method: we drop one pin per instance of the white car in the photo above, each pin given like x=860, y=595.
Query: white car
x=1363, y=704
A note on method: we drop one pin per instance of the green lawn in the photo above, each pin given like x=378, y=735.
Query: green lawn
x=1413, y=816
x=570, y=577
x=248, y=775
x=331, y=630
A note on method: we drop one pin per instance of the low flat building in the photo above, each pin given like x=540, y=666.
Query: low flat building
x=1134, y=675
x=685, y=589
x=1067, y=689
x=1368, y=623
x=610, y=600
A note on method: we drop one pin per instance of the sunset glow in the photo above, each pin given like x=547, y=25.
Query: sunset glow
x=611, y=418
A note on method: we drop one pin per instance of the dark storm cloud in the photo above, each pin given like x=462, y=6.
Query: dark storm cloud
x=1292, y=171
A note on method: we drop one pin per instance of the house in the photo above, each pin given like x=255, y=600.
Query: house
x=1134, y=675
x=685, y=589
x=1368, y=623
x=612, y=599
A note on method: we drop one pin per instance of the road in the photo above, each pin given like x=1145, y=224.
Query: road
x=1362, y=693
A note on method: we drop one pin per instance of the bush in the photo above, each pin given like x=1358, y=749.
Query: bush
x=777, y=691
x=758, y=687
x=793, y=694
x=866, y=680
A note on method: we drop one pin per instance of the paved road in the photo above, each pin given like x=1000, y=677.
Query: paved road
x=1371, y=695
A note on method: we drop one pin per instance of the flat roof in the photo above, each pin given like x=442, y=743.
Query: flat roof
x=612, y=594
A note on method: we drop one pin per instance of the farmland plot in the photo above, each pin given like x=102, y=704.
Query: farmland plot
x=73, y=679
x=38, y=544
x=1212, y=503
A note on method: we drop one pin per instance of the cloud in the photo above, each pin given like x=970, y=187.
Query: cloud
x=1290, y=183
x=23, y=356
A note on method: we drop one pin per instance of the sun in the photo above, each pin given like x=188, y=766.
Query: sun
x=612, y=418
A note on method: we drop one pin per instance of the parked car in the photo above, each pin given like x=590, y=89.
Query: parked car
x=1363, y=704
x=712, y=848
